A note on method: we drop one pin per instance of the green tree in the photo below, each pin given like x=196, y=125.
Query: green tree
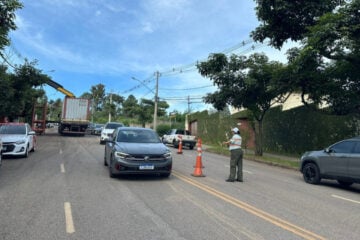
x=326, y=66
x=282, y=20
x=7, y=21
x=98, y=96
x=245, y=82
x=130, y=107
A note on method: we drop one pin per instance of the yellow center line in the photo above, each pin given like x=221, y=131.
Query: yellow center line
x=251, y=209
x=68, y=218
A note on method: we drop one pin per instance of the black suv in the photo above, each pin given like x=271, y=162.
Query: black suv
x=340, y=161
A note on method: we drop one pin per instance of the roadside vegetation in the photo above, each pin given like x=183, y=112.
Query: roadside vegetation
x=291, y=162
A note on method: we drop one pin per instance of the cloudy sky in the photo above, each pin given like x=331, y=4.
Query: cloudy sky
x=123, y=43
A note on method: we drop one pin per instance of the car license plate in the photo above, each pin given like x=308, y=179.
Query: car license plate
x=146, y=167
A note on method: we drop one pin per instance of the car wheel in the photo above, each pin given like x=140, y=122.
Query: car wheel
x=191, y=147
x=26, y=154
x=175, y=144
x=105, y=163
x=111, y=174
x=311, y=173
x=0, y=158
x=345, y=183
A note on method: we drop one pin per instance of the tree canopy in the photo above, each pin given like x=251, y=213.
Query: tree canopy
x=245, y=82
x=325, y=68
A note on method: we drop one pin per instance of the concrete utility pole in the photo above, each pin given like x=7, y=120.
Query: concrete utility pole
x=156, y=100
x=110, y=107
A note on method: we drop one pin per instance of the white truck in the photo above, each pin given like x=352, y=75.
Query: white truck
x=75, y=116
x=173, y=137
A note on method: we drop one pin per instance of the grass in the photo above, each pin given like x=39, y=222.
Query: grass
x=276, y=160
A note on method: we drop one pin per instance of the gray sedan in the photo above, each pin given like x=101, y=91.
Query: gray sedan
x=340, y=161
x=133, y=150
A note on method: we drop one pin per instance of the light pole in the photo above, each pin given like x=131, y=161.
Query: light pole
x=156, y=96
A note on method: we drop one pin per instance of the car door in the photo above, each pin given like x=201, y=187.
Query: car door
x=354, y=162
x=336, y=162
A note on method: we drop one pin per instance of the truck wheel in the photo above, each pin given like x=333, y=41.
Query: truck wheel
x=191, y=147
x=175, y=144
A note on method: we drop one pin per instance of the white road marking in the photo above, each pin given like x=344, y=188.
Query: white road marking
x=68, y=218
x=346, y=199
x=62, y=167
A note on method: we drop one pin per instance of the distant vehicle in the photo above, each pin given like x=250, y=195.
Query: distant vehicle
x=173, y=137
x=108, y=130
x=133, y=150
x=340, y=161
x=18, y=139
x=97, y=129
x=75, y=116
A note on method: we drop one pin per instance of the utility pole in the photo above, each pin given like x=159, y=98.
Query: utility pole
x=110, y=107
x=156, y=100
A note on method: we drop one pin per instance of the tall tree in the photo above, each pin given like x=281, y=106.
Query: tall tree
x=326, y=66
x=130, y=106
x=283, y=20
x=245, y=82
x=7, y=21
x=98, y=96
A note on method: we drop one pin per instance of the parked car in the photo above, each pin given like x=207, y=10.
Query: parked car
x=18, y=139
x=340, y=161
x=97, y=129
x=137, y=151
x=108, y=130
x=174, y=136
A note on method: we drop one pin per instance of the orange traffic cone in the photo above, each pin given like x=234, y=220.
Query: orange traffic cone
x=180, y=146
x=198, y=164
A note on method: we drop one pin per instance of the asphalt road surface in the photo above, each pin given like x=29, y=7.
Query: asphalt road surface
x=63, y=191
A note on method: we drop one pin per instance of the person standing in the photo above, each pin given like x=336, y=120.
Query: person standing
x=236, y=156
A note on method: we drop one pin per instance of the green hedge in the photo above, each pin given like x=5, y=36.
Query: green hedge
x=301, y=129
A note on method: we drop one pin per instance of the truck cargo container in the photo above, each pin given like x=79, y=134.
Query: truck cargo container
x=75, y=116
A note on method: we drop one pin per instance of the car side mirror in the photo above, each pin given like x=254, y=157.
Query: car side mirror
x=328, y=150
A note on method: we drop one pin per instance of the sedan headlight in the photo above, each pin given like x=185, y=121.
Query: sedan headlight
x=22, y=141
x=121, y=155
x=167, y=155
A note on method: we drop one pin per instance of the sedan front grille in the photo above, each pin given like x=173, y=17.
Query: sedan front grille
x=146, y=158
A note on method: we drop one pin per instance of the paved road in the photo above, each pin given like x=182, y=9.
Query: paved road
x=63, y=191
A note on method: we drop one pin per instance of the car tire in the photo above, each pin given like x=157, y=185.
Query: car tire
x=26, y=154
x=175, y=144
x=111, y=174
x=311, y=173
x=0, y=158
x=344, y=183
x=105, y=163
x=191, y=147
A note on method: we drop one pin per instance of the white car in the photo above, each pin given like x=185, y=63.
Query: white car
x=18, y=139
x=108, y=130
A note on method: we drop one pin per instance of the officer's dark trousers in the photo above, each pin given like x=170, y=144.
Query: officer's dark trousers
x=236, y=162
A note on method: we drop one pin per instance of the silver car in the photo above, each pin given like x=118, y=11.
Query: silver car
x=340, y=161
x=133, y=150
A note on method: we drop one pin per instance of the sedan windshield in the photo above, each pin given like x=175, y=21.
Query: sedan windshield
x=12, y=129
x=138, y=136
